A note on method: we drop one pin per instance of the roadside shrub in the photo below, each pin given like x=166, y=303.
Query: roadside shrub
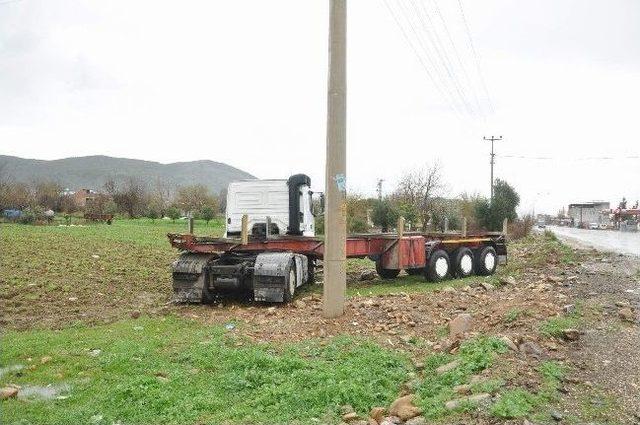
x=357, y=225
x=520, y=228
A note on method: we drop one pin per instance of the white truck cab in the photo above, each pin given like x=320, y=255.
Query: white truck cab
x=286, y=204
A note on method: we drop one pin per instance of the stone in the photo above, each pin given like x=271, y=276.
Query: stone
x=367, y=275
x=509, y=280
x=461, y=324
x=299, y=304
x=377, y=413
x=448, y=367
x=350, y=417
x=404, y=408
x=449, y=289
x=347, y=408
x=571, y=334
x=418, y=420
x=271, y=311
x=418, y=365
x=8, y=392
x=531, y=349
x=463, y=389
x=45, y=359
x=626, y=314
x=556, y=415
x=509, y=343
x=487, y=286
x=569, y=309
x=72, y=299
x=391, y=420
x=454, y=404
x=135, y=314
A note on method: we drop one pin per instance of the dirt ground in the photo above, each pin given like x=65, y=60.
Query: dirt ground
x=603, y=382
x=539, y=287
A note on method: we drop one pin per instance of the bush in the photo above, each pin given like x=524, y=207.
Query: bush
x=357, y=225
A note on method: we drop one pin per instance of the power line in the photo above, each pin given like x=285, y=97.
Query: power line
x=476, y=56
x=444, y=92
x=586, y=158
x=431, y=32
x=460, y=62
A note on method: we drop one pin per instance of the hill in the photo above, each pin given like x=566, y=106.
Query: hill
x=92, y=172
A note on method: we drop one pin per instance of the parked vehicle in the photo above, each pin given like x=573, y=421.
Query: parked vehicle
x=593, y=226
x=279, y=251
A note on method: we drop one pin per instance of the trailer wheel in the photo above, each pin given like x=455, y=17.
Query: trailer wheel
x=386, y=273
x=415, y=272
x=438, y=266
x=290, y=283
x=486, y=261
x=463, y=262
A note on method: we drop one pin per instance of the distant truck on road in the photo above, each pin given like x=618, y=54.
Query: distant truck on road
x=270, y=248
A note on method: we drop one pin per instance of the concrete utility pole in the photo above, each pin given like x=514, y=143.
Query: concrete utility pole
x=335, y=274
x=492, y=139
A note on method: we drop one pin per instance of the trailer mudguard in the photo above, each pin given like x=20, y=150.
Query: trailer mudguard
x=271, y=275
x=189, y=274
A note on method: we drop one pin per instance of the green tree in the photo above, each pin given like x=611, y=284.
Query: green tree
x=384, y=215
x=173, y=213
x=207, y=213
x=490, y=215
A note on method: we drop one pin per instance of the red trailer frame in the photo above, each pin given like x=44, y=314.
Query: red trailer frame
x=409, y=251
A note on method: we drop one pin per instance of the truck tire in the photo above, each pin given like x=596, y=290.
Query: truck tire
x=290, y=282
x=463, y=262
x=311, y=270
x=438, y=266
x=486, y=261
x=386, y=273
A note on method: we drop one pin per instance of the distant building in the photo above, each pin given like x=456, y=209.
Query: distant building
x=83, y=197
x=583, y=214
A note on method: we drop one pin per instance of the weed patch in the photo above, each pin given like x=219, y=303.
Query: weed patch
x=174, y=371
x=474, y=356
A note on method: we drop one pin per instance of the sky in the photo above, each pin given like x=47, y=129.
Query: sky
x=244, y=82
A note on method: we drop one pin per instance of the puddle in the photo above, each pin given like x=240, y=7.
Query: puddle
x=9, y=369
x=49, y=392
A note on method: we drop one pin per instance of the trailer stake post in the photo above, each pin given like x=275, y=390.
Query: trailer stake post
x=244, y=232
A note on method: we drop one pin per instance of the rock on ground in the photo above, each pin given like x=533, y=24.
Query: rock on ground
x=461, y=324
x=404, y=408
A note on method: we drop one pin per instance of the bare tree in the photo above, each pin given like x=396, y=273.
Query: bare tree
x=419, y=187
x=47, y=193
x=195, y=197
x=131, y=197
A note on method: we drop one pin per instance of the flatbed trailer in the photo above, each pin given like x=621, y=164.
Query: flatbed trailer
x=272, y=268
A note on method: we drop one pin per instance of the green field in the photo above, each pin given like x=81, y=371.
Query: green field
x=67, y=294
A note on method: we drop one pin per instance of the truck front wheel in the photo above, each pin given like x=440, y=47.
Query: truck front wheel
x=291, y=283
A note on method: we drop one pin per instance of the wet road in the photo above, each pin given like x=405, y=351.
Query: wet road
x=604, y=240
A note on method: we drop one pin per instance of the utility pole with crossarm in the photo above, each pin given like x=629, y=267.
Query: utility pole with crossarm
x=492, y=139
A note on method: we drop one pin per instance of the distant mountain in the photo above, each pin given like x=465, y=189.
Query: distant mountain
x=91, y=172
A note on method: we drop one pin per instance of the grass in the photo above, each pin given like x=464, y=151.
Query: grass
x=518, y=403
x=174, y=371
x=555, y=326
x=513, y=314
x=475, y=355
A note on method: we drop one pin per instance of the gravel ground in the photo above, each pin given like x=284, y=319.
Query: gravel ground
x=607, y=357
